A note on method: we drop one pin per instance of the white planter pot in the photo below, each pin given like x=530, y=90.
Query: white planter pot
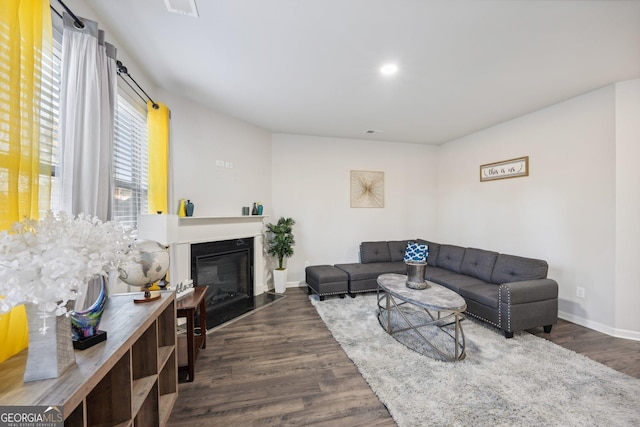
x=280, y=280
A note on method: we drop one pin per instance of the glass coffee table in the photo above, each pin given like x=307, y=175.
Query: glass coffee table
x=432, y=315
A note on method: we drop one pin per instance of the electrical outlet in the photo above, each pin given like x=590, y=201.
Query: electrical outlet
x=581, y=292
x=228, y=165
x=220, y=163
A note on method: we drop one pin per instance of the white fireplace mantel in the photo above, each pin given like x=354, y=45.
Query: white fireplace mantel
x=181, y=232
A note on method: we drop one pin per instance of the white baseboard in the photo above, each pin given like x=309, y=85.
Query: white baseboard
x=596, y=326
x=301, y=284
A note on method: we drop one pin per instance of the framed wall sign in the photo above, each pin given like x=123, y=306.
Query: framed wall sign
x=367, y=189
x=513, y=168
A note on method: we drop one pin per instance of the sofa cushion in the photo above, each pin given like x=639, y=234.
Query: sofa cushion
x=396, y=249
x=357, y=271
x=478, y=263
x=483, y=293
x=316, y=274
x=432, y=273
x=433, y=249
x=327, y=279
x=511, y=268
x=454, y=281
x=374, y=252
x=450, y=257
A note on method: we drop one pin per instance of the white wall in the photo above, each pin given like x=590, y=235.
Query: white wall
x=311, y=185
x=564, y=212
x=199, y=137
x=627, y=207
x=139, y=73
x=578, y=209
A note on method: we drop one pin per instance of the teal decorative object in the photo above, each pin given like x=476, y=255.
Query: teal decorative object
x=85, y=322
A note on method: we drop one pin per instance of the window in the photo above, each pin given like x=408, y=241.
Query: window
x=130, y=162
x=49, y=120
x=130, y=145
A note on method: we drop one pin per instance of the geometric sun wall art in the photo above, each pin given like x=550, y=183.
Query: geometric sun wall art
x=367, y=189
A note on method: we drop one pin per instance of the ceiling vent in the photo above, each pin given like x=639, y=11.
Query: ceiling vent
x=182, y=7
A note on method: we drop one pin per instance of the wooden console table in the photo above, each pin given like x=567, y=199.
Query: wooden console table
x=129, y=379
x=187, y=307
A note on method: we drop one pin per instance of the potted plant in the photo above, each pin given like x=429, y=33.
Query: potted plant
x=280, y=244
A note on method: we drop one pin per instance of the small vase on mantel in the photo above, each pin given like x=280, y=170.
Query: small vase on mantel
x=189, y=208
x=50, y=350
x=182, y=208
x=254, y=211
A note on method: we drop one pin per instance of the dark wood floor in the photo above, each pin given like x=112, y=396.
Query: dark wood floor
x=280, y=366
x=617, y=353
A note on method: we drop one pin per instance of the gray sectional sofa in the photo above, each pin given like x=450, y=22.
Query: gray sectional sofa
x=509, y=292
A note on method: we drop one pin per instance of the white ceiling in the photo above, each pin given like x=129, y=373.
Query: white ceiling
x=311, y=66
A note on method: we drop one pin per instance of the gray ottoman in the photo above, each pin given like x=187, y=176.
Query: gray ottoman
x=326, y=280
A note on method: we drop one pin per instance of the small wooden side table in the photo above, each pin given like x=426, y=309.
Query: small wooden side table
x=187, y=307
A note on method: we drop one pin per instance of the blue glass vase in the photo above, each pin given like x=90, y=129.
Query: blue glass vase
x=85, y=322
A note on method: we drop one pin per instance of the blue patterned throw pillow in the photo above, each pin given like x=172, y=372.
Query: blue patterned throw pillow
x=416, y=252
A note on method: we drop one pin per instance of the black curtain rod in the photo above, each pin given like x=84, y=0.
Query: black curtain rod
x=77, y=21
x=132, y=88
x=56, y=11
x=121, y=76
x=121, y=68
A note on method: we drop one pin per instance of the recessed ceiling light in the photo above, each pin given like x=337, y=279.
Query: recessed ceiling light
x=182, y=7
x=389, y=69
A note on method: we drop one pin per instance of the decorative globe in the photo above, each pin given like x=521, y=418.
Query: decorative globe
x=149, y=266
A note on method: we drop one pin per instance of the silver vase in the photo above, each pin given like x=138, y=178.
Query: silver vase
x=50, y=346
x=415, y=275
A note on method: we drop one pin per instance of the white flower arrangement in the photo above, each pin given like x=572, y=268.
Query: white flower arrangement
x=46, y=262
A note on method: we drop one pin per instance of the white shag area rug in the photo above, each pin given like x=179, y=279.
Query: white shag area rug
x=523, y=381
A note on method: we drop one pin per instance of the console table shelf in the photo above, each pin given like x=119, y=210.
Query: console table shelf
x=129, y=379
x=187, y=307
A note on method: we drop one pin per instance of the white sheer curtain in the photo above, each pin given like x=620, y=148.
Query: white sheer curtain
x=87, y=114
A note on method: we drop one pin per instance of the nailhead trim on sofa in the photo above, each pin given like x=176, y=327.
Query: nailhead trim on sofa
x=483, y=319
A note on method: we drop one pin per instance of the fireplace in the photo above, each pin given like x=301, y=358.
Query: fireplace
x=226, y=267
x=187, y=235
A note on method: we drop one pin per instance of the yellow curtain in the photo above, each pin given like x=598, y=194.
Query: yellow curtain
x=25, y=175
x=25, y=48
x=14, y=336
x=158, y=132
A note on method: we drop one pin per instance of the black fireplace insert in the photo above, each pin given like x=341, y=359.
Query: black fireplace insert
x=227, y=268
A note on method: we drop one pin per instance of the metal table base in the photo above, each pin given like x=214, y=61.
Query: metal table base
x=387, y=304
